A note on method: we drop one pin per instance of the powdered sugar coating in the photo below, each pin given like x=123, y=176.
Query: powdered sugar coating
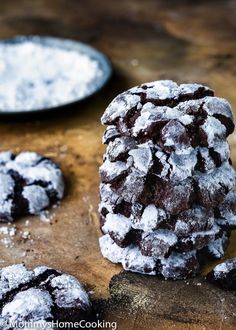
x=110, y=134
x=212, y=186
x=222, y=149
x=110, y=250
x=229, y=223
x=40, y=270
x=174, y=134
x=119, y=147
x=33, y=303
x=130, y=257
x=158, y=90
x=182, y=167
x=226, y=266
x=68, y=292
x=218, y=106
x=6, y=187
x=117, y=225
x=37, y=197
x=157, y=243
x=5, y=156
x=217, y=248
x=175, y=168
x=151, y=114
x=162, y=89
x=155, y=104
x=179, y=265
x=27, y=158
x=119, y=107
x=6, y=192
x=227, y=211
x=142, y=157
x=32, y=167
x=108, y=198
x=214, y=131
x=110, y=171
x=176, y=266
x=133, y=185
x=223, y=275
x=12, y=276
x=198, y=240
x=29, y=183
x=175, y=197
x=206, y=162
x=41, y=295
x=193, y=220
x=150, y=219
x=135, y=261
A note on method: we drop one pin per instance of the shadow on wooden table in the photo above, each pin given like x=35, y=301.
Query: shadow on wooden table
x=138, y=303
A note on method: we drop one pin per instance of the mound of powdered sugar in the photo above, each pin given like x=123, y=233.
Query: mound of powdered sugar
x=34, y=76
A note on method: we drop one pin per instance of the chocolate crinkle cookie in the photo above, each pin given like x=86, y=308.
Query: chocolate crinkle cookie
x=29, y=183
x=167, y=184
x=224, y=275
x=40, y=296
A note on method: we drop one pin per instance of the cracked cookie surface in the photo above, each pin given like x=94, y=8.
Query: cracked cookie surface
x=29, y=183
x=41, y=295
x=167, y=184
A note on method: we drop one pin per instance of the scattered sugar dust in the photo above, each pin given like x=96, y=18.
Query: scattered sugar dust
x=10, y=233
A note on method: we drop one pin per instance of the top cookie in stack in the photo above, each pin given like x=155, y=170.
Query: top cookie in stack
x=166, y=182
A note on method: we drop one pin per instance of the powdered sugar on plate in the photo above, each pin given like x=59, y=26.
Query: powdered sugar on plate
x=38, y=73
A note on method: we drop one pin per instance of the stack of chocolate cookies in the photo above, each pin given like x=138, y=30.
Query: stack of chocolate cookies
x=167, y=184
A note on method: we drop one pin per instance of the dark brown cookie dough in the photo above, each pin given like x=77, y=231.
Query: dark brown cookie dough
x=226, y=212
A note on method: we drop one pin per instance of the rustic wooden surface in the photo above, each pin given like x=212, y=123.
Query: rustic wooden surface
x=146, y=40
